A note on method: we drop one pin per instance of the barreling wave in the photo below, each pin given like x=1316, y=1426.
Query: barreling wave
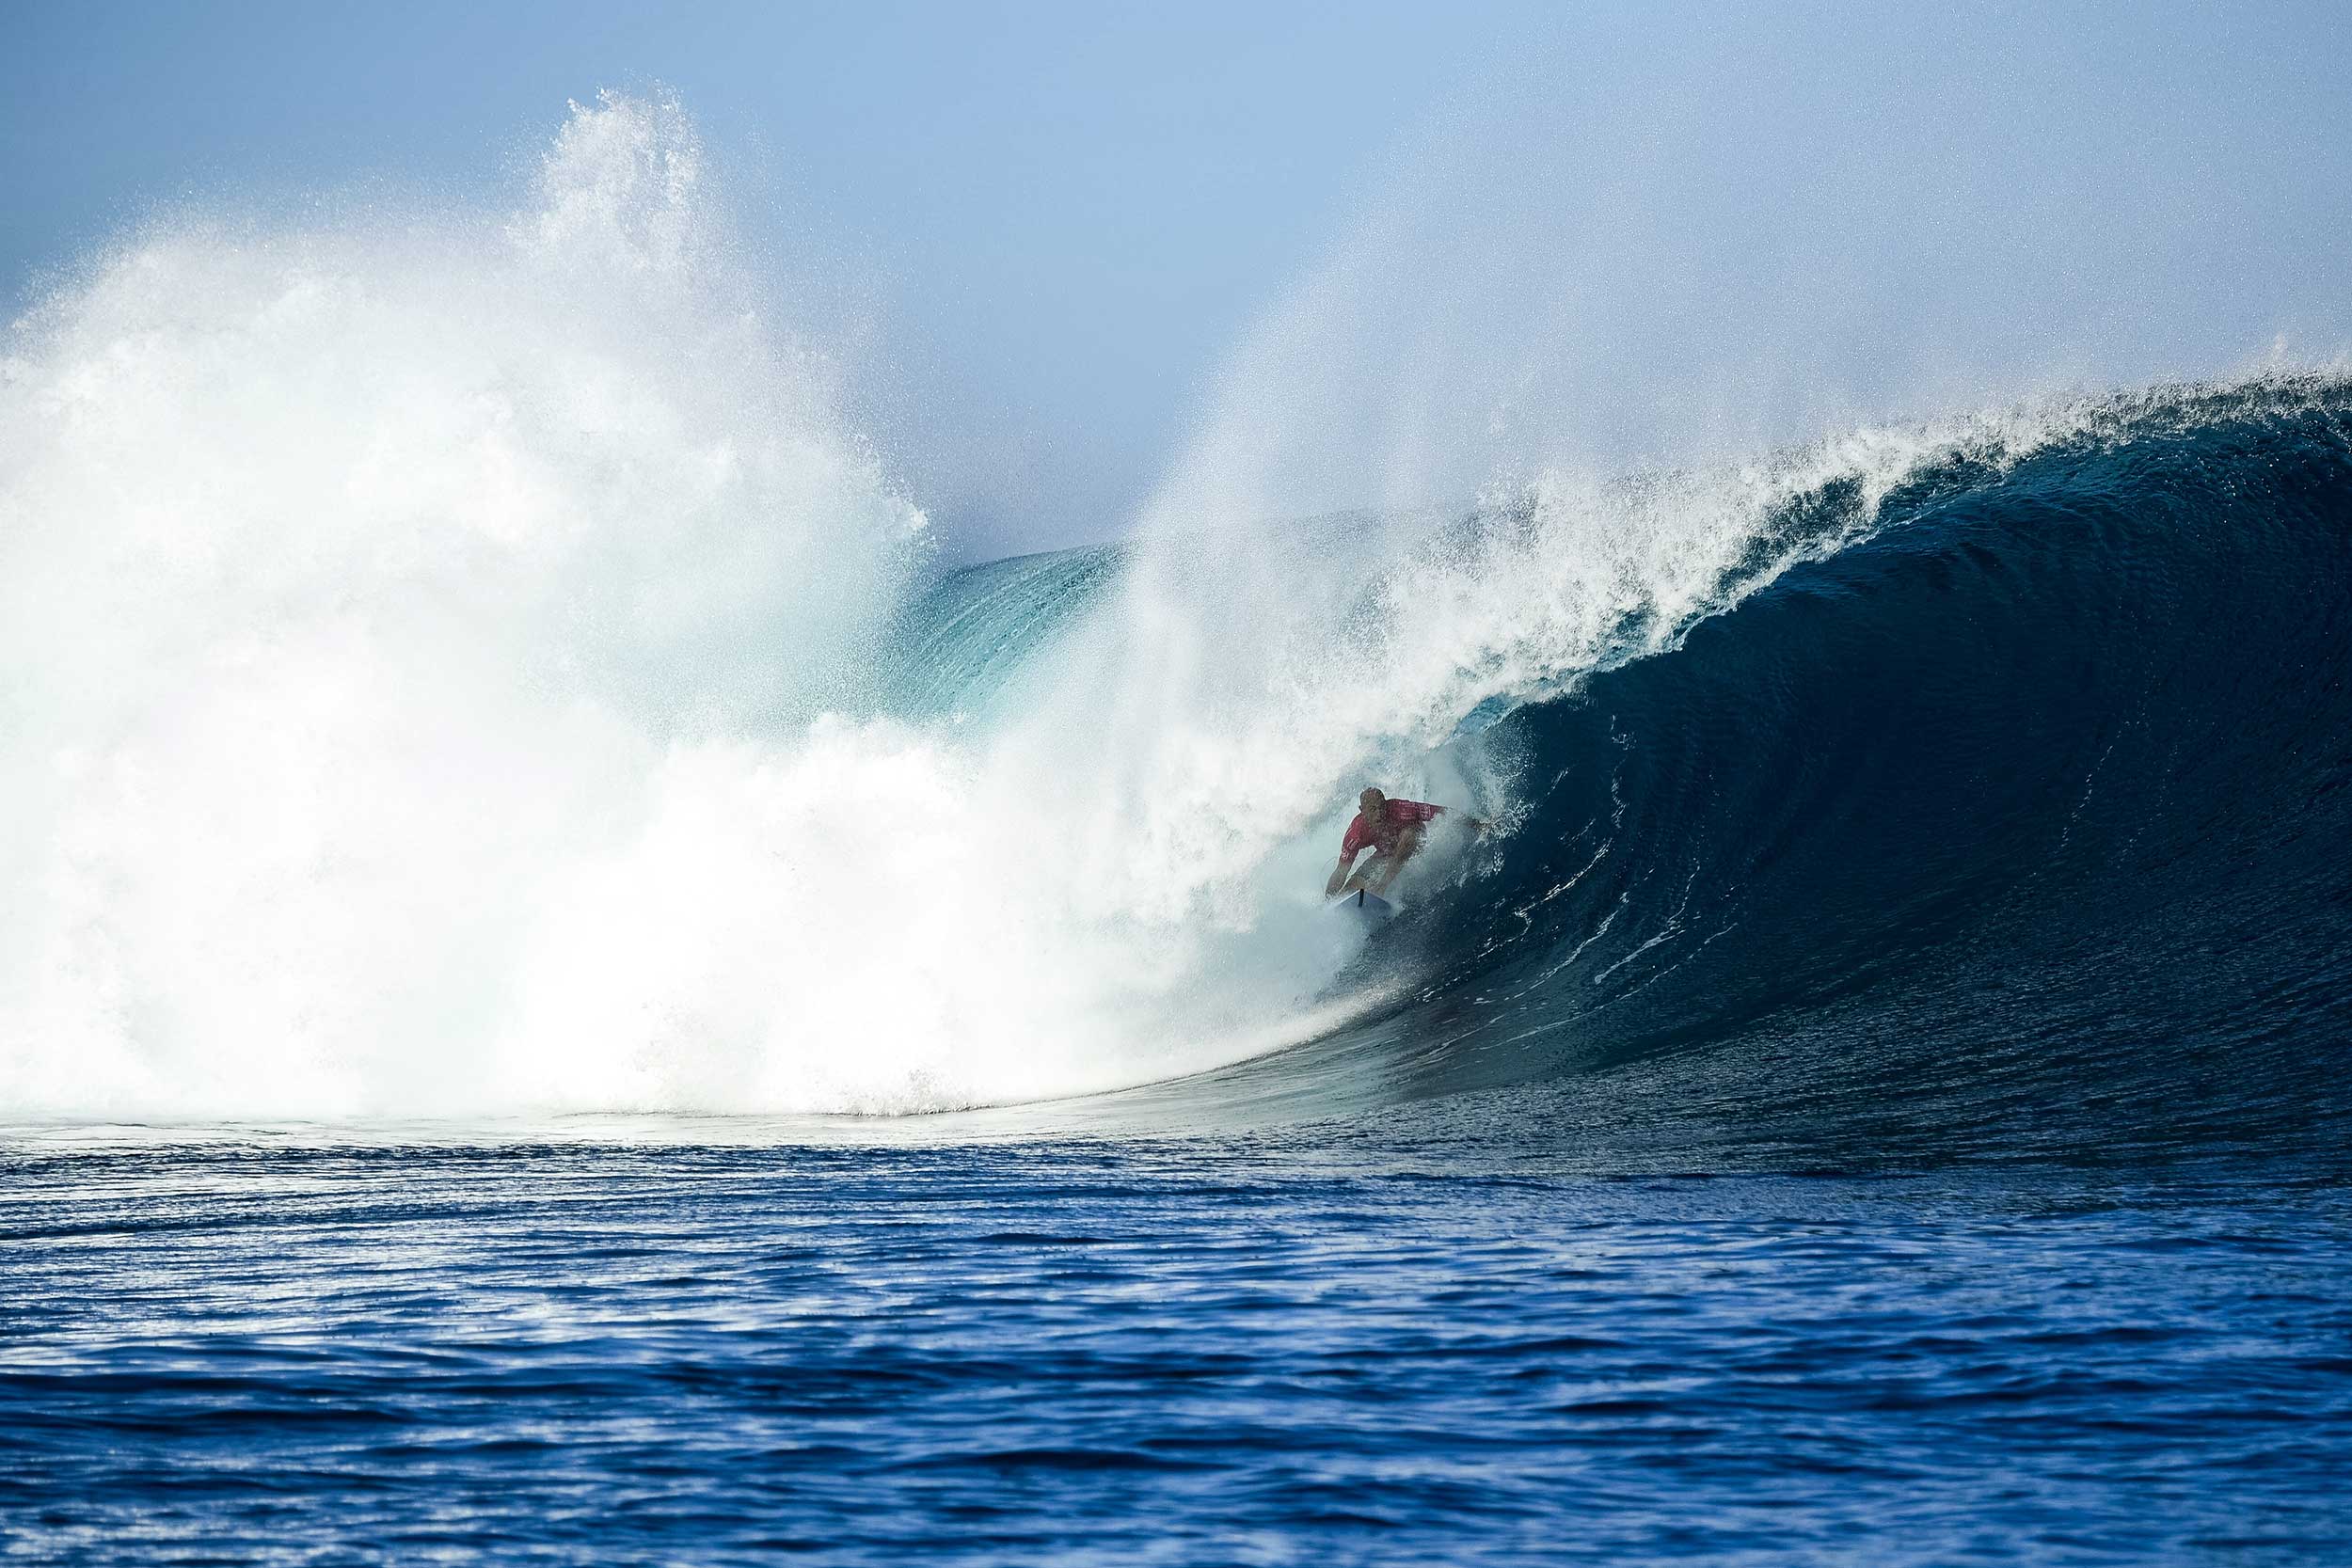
x=2019, y=822
x=1990, y=795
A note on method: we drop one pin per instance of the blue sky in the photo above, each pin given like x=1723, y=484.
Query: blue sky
x=1062, y=225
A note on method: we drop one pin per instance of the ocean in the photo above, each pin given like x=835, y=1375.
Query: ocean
x=723, y=1345
x=575, y=989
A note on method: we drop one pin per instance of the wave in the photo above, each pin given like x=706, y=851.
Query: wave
x=1990, y=795
x=2018, y=822
x=468, y=663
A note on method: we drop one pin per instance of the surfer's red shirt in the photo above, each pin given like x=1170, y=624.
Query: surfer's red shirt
x=1398, y=812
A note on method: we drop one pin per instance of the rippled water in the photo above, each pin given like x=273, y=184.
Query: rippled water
x=259, y=1348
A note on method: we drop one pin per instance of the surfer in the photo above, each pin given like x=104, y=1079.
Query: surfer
x=1392, y=830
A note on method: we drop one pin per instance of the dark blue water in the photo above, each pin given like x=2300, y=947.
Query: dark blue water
x=1259, y=1350
x=1882, y=1101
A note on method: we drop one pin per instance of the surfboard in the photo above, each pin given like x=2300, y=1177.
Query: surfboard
x=1370, y=908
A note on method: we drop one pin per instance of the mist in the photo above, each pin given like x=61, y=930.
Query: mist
x=1688, y=237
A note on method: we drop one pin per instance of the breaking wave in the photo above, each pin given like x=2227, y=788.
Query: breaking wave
x=471, y=664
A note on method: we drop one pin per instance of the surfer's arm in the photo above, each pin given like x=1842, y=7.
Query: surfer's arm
x=1477, y=825
x=1339, y=874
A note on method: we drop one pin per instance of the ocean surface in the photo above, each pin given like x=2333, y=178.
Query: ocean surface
x=570, y=994
x=1282, y=1348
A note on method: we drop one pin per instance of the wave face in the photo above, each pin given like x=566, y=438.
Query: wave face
x=466, y=663
x=2019, y=823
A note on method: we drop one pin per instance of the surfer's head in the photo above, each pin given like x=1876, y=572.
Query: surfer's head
x=1371, y=800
